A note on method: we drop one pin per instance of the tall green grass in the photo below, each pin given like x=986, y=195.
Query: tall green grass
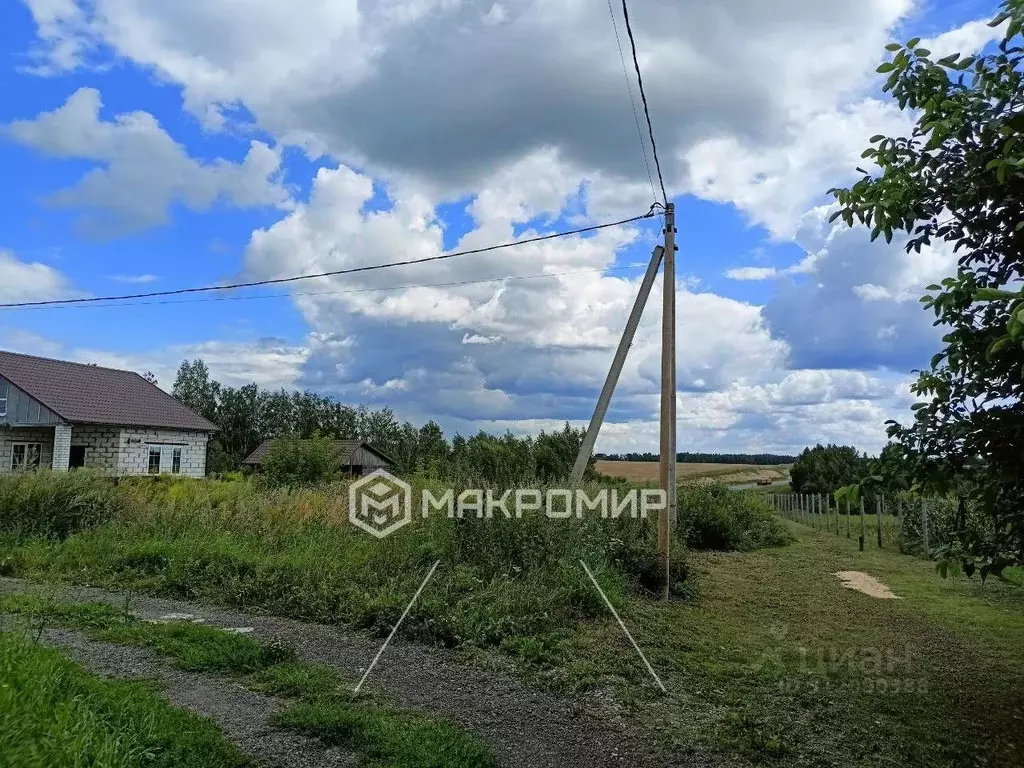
x=56, y=504
x=512, y=584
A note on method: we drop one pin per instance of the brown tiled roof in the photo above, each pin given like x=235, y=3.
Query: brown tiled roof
x=344, y=449
x=88, y=394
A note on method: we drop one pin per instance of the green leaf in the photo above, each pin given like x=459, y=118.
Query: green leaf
x=876, y=138
x=922, y=53
x=887, y=67
x=913, y=42
x=893, y=47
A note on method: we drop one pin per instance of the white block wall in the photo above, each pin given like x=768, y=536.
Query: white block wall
x=8, y=437
x=135, y=445
x=102, y=447
x=61, y=447
x=111, y=450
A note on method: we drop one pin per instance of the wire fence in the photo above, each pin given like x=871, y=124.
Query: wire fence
x=903, y=522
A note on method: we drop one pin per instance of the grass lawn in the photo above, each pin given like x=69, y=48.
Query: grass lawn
x=776, y=662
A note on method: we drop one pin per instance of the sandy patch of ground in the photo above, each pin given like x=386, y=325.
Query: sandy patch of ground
x=869, y=585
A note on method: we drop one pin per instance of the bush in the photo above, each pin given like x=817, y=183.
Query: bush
x=301, y=462
x=56, y=504
x=826, y=468
x=714, y=517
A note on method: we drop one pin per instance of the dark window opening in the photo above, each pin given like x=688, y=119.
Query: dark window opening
x=77, y=459
x=26, y=456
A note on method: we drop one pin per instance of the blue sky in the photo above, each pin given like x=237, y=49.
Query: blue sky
x=157, y=147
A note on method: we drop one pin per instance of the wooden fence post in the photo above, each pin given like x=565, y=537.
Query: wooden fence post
x=861, y=523
x=899, y=523
x=847, y=517
x=878, y=515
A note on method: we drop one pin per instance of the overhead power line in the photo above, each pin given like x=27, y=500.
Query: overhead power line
x=632, y=101
x=643, y=98
x=332, y=273
x=382, y=289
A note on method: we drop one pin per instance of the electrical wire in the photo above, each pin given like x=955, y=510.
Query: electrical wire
x=333, y=293
x=333, y=273
x=643, y=98
x=632, y=101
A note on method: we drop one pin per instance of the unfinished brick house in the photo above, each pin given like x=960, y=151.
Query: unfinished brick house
x=63, y=415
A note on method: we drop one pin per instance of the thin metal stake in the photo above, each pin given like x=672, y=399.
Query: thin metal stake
x=394, y=629
x=626, y=631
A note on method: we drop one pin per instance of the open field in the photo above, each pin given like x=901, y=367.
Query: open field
x=647, y=471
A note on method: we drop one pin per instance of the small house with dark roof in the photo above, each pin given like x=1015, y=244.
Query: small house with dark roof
x=355, y=457
x=60, y=415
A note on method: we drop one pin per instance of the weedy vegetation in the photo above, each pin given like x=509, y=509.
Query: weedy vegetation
x=515, y=585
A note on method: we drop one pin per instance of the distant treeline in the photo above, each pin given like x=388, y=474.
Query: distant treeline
x=248, y=415
x=704, y=458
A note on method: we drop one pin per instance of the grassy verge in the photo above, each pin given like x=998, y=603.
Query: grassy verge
x=381, y=735
x=195, y=647
x=54, y=714
x=777, y=663
x=385, y=738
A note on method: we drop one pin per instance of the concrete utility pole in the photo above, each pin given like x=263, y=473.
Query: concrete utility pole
x=667, y=468
x=613, y=373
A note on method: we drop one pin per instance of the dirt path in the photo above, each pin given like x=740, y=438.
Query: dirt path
x=241, y=714
x=524, y=728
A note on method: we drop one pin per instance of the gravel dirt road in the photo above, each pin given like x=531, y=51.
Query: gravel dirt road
x=525, y=728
